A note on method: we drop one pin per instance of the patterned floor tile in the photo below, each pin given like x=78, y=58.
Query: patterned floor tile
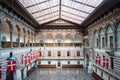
x=59, y=74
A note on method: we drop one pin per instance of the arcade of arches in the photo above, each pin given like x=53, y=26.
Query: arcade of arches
x=59, y=40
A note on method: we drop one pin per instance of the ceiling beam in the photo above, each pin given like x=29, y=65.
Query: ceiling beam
x=70, y=22
x=37, y=3
x=49, y=22
x=60, y=8
x=45, y=9
x=99, y=11
x=83, y=3
x=71, y=18
x=47, y=14
x=73, y=14
x=48, y=18
x=76, y=9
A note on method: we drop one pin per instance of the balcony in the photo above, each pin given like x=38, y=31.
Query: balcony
x=61, y=48
x=61, y=58
x=109, y=71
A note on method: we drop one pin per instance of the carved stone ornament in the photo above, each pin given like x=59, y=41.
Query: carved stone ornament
x=2, y=15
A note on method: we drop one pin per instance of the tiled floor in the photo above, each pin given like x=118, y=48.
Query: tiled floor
x=59, y=74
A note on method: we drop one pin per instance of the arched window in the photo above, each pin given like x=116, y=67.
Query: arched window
x=96, y=39
x=102, y=38
x=118, y=35
x=110, y=37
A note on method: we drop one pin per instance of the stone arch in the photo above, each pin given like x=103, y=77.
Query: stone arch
x=10, y=25
x=117, y=34
x=49, y=38
x=16, y=36
x=109, y=36
x=22, y=33
x=39, y=37
x=68, y=41
x=68, y=36
x=6, y=31
x=77, y=37
x=59, y=36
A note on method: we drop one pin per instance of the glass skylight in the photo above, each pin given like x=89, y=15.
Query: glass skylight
x=75, y=11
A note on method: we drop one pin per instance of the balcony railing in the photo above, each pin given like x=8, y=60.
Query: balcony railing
x=110, y=71
x=61, y=58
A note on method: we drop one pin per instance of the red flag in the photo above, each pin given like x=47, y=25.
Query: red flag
x=38, y=54
x=26, y=60
x=35, y=55
x=105, y=63
x=29, y=59
x=32, y=56
x=96, y=59
x=11, y=66
x=0, y=72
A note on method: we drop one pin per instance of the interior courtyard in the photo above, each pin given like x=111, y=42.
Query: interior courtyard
x=59, y=39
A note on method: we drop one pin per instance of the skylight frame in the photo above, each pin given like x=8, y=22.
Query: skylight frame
x=76, y=10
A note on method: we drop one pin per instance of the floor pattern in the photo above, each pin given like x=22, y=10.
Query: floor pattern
x=59, y=74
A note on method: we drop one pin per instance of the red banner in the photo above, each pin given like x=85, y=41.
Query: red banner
x=11, y=66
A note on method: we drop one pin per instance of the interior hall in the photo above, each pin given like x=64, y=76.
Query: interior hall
x=59, y=39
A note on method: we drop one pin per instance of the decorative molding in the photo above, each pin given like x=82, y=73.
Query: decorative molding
x=2, y=15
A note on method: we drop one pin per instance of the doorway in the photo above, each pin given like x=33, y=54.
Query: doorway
x=59, y=64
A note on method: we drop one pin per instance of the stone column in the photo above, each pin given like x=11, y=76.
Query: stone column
x=19, y=40
x=11, y=41
x=24, y=40
x=114, y=40
x=54, y=39
x=35, y=40
x=32, y=41
x=106, y=44
x=29, y=40
x=99, y=37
